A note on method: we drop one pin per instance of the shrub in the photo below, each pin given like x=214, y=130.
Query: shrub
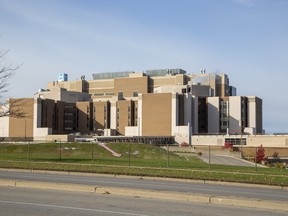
x=228, y=145
x=279, y=165
x=275, y=155
x=184, y=144
x=260, y=154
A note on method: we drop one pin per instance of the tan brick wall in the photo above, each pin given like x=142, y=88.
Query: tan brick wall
x=101, y=88
x=156, y=114
x=84, y=117
x=99, y=113
x=22, y=126
x=130, y=85
x=180, y=79
x=124, y=109
x=78, y=85
x=136, y=120
x=60, y=117
x=47, y=113
x=269, y=151
x=101, y=84
x=163, y=80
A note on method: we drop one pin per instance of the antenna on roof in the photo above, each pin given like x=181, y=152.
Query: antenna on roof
x=203, y=71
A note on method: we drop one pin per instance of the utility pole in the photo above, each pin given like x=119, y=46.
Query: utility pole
x=129, y=153
x=167, y=155
x=209, y=157
x=256, y=159
x=60, y=150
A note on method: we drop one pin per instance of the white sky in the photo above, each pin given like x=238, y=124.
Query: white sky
x=246, y=39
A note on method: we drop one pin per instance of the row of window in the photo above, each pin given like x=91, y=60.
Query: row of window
x=103, y=94
x=129, y=116
x=236, y=141
x=120, y=94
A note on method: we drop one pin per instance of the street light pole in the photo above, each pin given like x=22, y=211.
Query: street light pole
x=129, y=153
x=167, y=154
x=209, y=157
x=25, y=128
x=93, y=150
x=60, y=151
x=256, y=159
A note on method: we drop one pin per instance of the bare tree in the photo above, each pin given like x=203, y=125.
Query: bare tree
x=8, y=107
x=13, y=108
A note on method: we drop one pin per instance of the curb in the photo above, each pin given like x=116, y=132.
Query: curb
x=164, y=195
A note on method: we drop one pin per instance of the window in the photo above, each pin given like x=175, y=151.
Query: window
x=68, y=114
x=236, y=141
x=135, y=94
x=109, y=94
x=99, y=94
x=120, y=94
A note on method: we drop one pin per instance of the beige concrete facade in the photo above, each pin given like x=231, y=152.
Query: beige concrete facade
x=213, y=105
x=235, y=114
x=255, y=113
x=156, y=114
x=124, y=115
x=22, y=126
x=101, y=115
x=250, y=140
x=136, y=104
x=131, y=87
x=84, y=120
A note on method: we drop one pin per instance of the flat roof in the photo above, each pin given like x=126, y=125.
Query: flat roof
x=111, y=75
x=123, y=74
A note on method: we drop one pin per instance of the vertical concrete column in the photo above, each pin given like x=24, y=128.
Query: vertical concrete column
x=174, y=114
x=235, y=114
x=251, y=112
x=213, y=115
x=113, y=112
x=139, y=114
x=187, y=109
x=36, y=115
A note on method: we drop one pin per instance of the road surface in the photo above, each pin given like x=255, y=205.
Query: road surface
x=30, y=202
x=226, y=160
x=235, y=190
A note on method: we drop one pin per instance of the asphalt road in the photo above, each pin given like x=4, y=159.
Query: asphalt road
x=151, y=184
x=31, y=202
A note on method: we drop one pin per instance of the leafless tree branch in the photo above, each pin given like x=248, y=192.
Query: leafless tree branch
x=6, y=72
x=13, y=108
x=9, y=107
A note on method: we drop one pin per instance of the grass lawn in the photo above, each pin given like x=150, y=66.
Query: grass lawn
x=136, y=159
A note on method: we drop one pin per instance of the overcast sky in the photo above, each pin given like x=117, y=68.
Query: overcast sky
x=246, y=39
